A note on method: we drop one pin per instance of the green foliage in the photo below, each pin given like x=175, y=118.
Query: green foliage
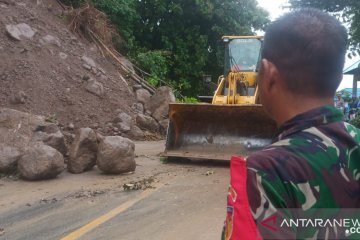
x=155, y=62
x=348, y=11
x=188, y=100
x=356, y=121
x=190, y=31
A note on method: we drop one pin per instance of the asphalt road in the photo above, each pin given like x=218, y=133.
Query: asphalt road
x=185, y=201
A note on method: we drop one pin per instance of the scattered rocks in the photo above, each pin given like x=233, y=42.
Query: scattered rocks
x=147, y=122
x=142, y=95
x=95, y=87
x=83, y=151
x=20, y=30
x=139, y=185
x=158, y=104
x=116, y=155
x=9, y=157
x=40, y=162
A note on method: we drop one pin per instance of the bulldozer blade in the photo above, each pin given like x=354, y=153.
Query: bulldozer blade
x=208, y=131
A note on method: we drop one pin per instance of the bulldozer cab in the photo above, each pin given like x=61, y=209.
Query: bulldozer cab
x=242, y=54
x=238, y=84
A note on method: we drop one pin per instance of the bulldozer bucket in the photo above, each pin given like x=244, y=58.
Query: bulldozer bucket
x=208, y=131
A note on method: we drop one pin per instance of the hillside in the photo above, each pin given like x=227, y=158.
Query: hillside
x=45, y=69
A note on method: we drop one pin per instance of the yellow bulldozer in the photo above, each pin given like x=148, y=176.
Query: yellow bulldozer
x=235, y=122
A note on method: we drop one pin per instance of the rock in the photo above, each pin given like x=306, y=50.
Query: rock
x=135, y=133
x=116, y=155
x=40, y=162
x=83, y=151
x=164, y=126
x=18, y=98
x=87, y=67
x=158, y=104
x=49, y=39
x=147, y=122
x=138, y=108
x=89, y=61
x=137, y=87
x=142, y=96
x=123, y=117
x=71, y=126
x=20, y=30
x=95, y=87
x=123, y=121
x=9, y=156
x=128, y=65
x=50, y=135
x=63, y=56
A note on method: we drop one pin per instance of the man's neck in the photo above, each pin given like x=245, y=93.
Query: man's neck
x=297, y=105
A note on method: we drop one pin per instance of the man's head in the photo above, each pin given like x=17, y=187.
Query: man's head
x=303, y=57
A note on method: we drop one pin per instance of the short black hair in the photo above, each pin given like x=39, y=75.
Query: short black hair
x=308, y=47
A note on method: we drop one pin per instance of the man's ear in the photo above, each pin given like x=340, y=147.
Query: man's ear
x=269, y=75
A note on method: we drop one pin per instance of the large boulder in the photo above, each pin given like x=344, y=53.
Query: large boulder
x=158, y=104
x=19, y=129
x=83, y=151
x=147, y=122
x=135, y=133
x=116, y=155
x=40, y=162
x=9, y=157
x=142, y=95
x=20, y=30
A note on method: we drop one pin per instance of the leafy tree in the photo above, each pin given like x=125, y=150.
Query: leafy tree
x=190, y=31
x=348, y=11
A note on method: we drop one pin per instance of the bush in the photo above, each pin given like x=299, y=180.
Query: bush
x=156, y=63
x=188, y=100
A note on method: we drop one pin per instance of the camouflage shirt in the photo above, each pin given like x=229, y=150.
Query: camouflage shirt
x=314, y=164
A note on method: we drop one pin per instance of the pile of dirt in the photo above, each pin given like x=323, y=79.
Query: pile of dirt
x=47, y=70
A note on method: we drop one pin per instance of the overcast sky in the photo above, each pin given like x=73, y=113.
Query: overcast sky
x=274, y=7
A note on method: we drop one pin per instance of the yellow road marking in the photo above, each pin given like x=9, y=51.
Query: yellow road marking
x=107, y=216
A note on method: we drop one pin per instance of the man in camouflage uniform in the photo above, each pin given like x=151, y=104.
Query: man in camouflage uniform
x=315, y=161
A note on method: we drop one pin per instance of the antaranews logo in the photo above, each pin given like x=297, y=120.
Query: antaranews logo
x=319, y=223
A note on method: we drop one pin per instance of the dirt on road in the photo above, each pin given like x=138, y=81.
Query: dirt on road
x=177, y=200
